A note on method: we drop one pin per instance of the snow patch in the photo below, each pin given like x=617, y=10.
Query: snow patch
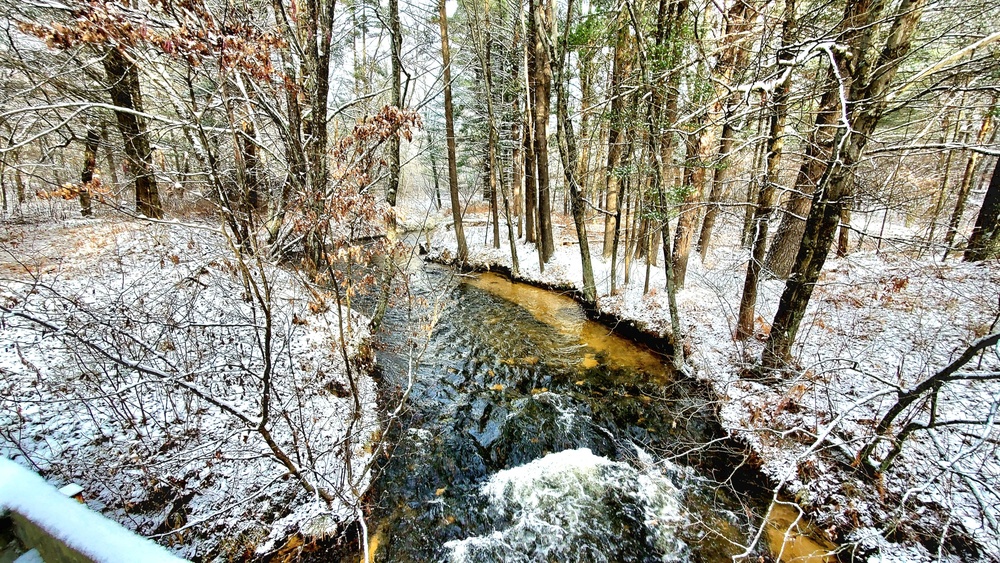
x=73, y=524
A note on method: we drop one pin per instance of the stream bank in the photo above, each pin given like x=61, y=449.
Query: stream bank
x=658, y=340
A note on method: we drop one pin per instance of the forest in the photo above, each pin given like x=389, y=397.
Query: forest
x=210, y=315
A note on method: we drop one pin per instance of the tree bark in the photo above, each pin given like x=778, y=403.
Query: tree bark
x=622, y=67
x=255, y=198
x=661, y=108
x=739, y=22
x=985, y=240
x=123, y=85
x=718, y=186
x=569, y=157
x=530, y=170
x=586, y=103
x=529, y=187
x=843, y=237
x=753, y=189
x=971, y=166
x=865, y=89
x=781, y=253
x=109, y=155
x=305, y=133
x=517, y=176
x=449, y=119
x=89, y=168
x=484, y=52
x=945, y=168
x=766, y=197
x=620, y=197
x=699, y=153
x=396, y=37
x=435, y=175
x=542, y=18
x=19, y=185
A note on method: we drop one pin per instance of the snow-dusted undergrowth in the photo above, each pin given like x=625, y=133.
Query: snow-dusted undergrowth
x=878, y=321
x=171, y=447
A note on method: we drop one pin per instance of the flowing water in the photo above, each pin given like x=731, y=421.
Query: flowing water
x=534, y=434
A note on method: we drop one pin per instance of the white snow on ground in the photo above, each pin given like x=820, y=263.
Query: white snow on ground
x=878, y=320
x=70, y=522
x=172, y=452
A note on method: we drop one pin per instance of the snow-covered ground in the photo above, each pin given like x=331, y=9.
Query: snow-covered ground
x=63, y=518
x=146, y=384
x=878, y=321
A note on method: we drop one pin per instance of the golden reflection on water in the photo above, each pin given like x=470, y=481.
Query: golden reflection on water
x=794, y=539
x=373, y=543
x=565, y=315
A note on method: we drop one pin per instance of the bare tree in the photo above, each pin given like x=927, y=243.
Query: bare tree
x=449, y=117
x=985, y=240
x=866, y=84
x=569, y=154
x=766, y=197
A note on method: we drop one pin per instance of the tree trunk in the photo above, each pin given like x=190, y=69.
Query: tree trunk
x=739, y=21
x=492, y=166
x=541, y=18
x=718, y=186
x=616, y=236
x=765, y=199
x=530, y=192
x=530, y=170
x=620, y=71
x=449, y=119
x=109, y=155
x=586, y=103
x=753, y=190
x=4, y=202
x=305, y=132
x=436, y=176
x=971, y=166
x=254, y=198
x=123, y=85
x=865, y=103
x=19, y=185
x=89, y=168
x=570, y=156
x=661, y=110
x=630, y=214
x=517, y=176
x=843, y=238
x=392, y=189
x=785, y=243
x=699, y=153
x=945, y=168
x=985, y=240
x=396, y=38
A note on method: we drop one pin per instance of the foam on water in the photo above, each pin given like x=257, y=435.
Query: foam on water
x=576, y=506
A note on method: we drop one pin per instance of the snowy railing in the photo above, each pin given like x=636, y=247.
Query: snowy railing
x=64, y=530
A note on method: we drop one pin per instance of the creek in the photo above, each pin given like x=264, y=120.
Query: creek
x=534, y=434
